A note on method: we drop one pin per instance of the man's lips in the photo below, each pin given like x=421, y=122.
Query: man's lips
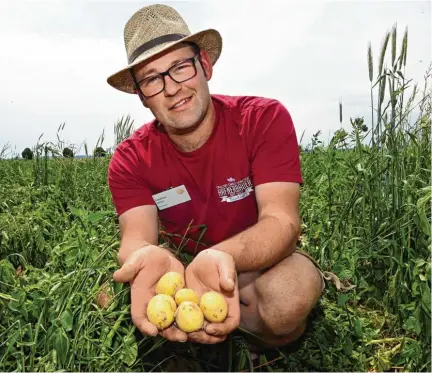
x=182, y=101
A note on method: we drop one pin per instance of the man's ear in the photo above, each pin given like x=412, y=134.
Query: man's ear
x=206, y=64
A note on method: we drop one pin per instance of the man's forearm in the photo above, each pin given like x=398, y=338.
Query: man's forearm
x=262, y=245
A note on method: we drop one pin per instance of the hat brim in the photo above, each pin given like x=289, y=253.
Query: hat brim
x=209, y=39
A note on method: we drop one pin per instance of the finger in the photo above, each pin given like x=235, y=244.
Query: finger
x=224, y=328
x=140, y=296
x=139, y=316
x=204, y=338
x=145, y=326
x=227, y=273
x=126, y=273
x=231, y=322
x=174, y=334
x=130, y=268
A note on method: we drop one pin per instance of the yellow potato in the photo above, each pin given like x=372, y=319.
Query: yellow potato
x=214, y=306
x=161, y=310
x=189, y=317
x=169, y=283
x=184, y=295
x=169, y=299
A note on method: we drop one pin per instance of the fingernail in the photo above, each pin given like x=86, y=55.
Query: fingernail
x=153, y=334
x=231, y=282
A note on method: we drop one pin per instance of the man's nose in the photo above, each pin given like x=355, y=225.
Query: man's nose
x=171, y=86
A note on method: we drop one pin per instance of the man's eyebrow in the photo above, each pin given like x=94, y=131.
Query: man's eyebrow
x=153, y=70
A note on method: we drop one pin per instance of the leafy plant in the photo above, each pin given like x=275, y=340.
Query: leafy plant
x=68, y=153
x=27, y=154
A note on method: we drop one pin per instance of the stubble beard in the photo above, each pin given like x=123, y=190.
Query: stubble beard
x=191, y=120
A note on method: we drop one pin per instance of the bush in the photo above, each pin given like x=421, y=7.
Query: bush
x=68, y=153
x=99, y=152
x=27, y=154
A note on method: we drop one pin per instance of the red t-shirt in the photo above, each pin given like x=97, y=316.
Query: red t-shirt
x=253, y=142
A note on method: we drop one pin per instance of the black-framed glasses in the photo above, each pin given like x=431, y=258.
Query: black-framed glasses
x=180, y=72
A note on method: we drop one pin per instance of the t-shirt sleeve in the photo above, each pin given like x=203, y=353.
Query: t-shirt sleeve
x=275, y=152
x=126, y=180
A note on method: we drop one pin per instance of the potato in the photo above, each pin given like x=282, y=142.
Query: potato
x=161, y=310
x=168, y=299
x=214, y=306
x=189, y=317
x=185, y=294
x=169, y=283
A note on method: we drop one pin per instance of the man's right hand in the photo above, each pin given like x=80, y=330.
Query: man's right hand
x=143, y=269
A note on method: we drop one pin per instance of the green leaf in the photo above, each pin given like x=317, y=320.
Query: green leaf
x=77, y=211
x=347, y=346
x=409, y=324
x=61, y=344
x=23, y=311
x=358, y=328
x=11, y=342
x=117, y=287
x=421, y=210
x=418, y=323
x=20, y=296
x=342, y=299
x=95, y=216
x=426, y=298
x=130, y=350
x=411, y=350
x=414, y=288
x=66, y=319
x=7, y=297
x=345, y=274
x=7, y=271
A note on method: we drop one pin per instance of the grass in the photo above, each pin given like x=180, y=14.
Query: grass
x=366, y=216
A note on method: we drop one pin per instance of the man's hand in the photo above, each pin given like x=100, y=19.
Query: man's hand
x=143, y=269
x=215, y=270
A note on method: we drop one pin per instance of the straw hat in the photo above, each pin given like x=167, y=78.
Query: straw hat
x=153, y=29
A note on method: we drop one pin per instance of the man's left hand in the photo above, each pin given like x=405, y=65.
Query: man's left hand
x=215, y=270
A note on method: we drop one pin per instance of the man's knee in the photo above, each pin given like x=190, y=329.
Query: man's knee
x=287, y=293
x=283, y=316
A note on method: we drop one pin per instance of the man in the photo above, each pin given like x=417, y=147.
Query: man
x=228, y=164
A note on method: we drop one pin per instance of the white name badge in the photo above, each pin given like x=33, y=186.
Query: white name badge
x=171, y=197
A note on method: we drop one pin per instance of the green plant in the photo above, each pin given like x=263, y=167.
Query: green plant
x=68, y=153
x=99, y=152
x=27, y=154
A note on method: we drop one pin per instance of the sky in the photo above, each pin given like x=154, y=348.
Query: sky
x=307, y=54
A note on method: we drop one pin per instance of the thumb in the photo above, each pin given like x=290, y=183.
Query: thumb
x=127, y=272
x=227, y=273
x=131, y=267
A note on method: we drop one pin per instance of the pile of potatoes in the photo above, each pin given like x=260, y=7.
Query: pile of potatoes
x=173, y=303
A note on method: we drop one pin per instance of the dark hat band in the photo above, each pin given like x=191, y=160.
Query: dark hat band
x=153, y=43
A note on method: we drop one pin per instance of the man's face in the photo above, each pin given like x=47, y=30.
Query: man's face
x=186, y=116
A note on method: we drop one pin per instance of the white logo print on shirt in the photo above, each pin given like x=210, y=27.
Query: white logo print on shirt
x=235, y=190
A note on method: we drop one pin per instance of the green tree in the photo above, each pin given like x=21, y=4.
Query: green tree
x=99, y=152
x=68, y=153
x=27, y=154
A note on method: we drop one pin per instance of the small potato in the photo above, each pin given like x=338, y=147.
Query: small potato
x=169, y=299
x=169, y=283
x=161, y=310
x=189, y=317
x=184, y=295
x=214, y=306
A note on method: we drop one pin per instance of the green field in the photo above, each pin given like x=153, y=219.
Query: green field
x=366, y=216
